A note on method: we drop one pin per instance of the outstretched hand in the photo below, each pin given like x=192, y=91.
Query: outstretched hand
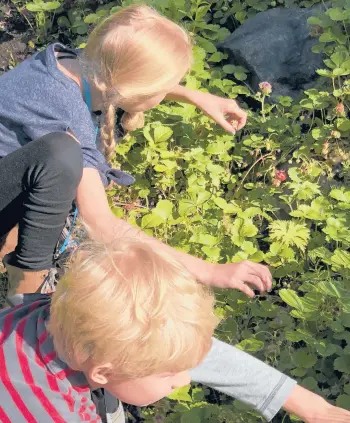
x=224, y=111
x=244, y=276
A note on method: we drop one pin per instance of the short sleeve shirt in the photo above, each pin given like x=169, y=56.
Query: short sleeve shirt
x=37, y=99
x=36, y=386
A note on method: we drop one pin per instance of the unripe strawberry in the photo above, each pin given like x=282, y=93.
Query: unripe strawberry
x=339, y=109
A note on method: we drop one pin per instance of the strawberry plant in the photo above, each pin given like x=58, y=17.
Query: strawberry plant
x=276, y=193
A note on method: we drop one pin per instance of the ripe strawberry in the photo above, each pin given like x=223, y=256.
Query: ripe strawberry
x=281, y=175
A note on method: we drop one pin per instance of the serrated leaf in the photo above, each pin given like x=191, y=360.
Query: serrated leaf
x=302, y=358
x=342, y=364
x=51, y=5
x=250, y=345
x=181, y=394
x=289, y=233
x=151, y=221
x=229, y=69
x=162, y=134
x=344, y=125
x=343, y=401
x=291, y=298
x=326, y=350
x=164, y=209
x=186, y=207
x=205, y=239
x=336, y=14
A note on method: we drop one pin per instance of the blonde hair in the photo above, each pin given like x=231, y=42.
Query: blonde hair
x=133, y=307
x=136, y=52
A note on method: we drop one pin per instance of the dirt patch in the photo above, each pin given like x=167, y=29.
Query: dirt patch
x=12, y=52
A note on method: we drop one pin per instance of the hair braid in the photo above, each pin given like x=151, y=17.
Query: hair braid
x=132, y=121
x=108, y=130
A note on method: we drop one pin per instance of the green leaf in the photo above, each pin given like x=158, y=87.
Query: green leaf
x=347, y=389
x=327, y=37
x=190, y=417
x=343, y=401
x=314, y=20
x=342, y=364
x=310, y=383
x=250, y=345
x=345, y=319
x=205, y=239
x=340, y=259
x=202, y=197
x=151, y=221
x=336, y=14
x=340, y=195
x=164, y=209
x=289, y=233
x=63, y=21
x=186, y=207
x=216, y=57
x=229, y=69
x=302, y=358
x=212, y=252
x=33, y=7
x=162, y=134
x=241, y=229
x=291, y=298
x=344, y=125
x=326, y=350
x=51, y=5
x=181, y=394
x=92, y=18
x=240, y=76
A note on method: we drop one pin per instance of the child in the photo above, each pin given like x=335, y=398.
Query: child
x=124, y=318
x=127, y=322
x=50, y=153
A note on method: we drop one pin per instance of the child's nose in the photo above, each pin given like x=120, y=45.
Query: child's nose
x=181, y=379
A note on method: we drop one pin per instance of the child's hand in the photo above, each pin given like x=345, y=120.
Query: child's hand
x=243, y=276
x=223, y=111
x=311, y=408
x=331, y=414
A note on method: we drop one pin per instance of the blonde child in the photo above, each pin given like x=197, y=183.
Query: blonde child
x=124, y=318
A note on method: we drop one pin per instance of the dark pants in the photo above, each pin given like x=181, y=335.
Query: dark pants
x=38, y=184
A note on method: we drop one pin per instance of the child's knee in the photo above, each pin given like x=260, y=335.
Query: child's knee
x=62, y=155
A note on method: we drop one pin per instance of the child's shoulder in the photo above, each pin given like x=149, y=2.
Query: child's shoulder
x=34, y=380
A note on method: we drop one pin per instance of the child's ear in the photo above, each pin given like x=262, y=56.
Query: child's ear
x=100, y=374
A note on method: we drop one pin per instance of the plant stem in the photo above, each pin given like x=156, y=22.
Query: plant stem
x=251, y=167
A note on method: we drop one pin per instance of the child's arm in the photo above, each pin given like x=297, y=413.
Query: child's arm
x=94, y=209
x=242, y=376
x=223, y=111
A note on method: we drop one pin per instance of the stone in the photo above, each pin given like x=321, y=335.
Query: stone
x=276, y=46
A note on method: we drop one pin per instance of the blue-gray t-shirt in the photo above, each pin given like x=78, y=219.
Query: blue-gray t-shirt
x=36, y=98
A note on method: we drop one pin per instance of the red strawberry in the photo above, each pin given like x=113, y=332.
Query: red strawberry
x=281, y=175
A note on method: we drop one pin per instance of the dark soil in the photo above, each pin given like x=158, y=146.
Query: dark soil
x=15, y=33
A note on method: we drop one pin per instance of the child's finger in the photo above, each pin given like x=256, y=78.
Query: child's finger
x=263, y=273
x=245, y=288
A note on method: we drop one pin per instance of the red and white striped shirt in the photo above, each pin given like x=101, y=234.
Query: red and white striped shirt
x=35, y=385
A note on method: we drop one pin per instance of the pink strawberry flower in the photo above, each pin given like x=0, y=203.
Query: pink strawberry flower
x=265, y=88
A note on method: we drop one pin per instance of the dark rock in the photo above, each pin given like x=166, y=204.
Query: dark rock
x=275, y=46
